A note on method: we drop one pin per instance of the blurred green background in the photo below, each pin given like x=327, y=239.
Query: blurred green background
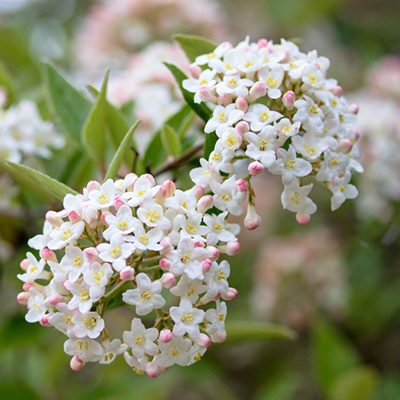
x=336, y=281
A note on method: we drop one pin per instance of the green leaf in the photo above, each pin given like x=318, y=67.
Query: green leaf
x=357, y=384
x=194, y=46
x=170, y=140
x=281, y=386
x=69, y=106
x=37, y=183
x=116, y=161
x=95, y=129
x=209, y=144
x=6, y=83
x=200, y=109
x=333, y=354
x=238, y=331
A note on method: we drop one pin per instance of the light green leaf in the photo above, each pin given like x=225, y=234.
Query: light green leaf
x=209, y=144
x=6, y=83
x=333, y=354
x=69, y=106
x=238, y=331
x=116, y=161
x=95, y=129
x=200, y=109
x=357, y=384
x=194, y=46
x=39, y=184
x=170, y=140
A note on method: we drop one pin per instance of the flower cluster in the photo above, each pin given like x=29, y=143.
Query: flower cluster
x=274, y=109
x=150, y=247
x=23, y=133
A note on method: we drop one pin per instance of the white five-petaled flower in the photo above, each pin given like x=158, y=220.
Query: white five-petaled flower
x=219, y=231
x=272, y=78
x=341, y=190
x=35, y=269
x=86, y=349
x=123, y=222
x=294, y=198
x=223, y=118
x=111, y=350
x=205, y=80
x=187, y=319
x=74, y=263
x=87, y=325
x=176, y=351
x=216, y=318
x=227, y=196
x=142, y=189
x=216, y=279
x=104, y=197
x=151, y=214
x=67, y=233
x=145, y=240
x=189, y=288
x=259, y=116
x=97, y=276
x=116, y=252
x=262, y=147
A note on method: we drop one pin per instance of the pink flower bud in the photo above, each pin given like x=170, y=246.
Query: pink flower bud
x=118, y=202
x=165, y=264
x=255, y=168
x=23, y=298
x=206, y=264
x=74, y=217
x=230, y=294
x=288, y=99
x=252, y=219
x=153, y=371
x=225, y=99
x=24, y=264
x=195, y=70
x=198, y=243
x=241, y=104
x=258, y=90
x=168, y=280
x=89, y=214
x=212, y=252
x=53, y=218
x=44, y=321
x=303, y=219
x=91, y=254
x=287, y=56
x=345, y=146
x=48, y=255
x=242, y=185
x=357, y=135
x=337, y=91
x=161, y=195
x=170, y=187
x=3, y=98
x=218, y=338
x=203, y=340
x=242, y=127
x=55, y=299
x=93, y=185
x=166, y=245
x=353, y=108
x=26, y=286
x=103, y=217
x=206, y=94
x=262, y=43
x=127, y=274
x=199, y=192
x=232, y=248
x=165, y=335
x=205, y=203
x=76, y=363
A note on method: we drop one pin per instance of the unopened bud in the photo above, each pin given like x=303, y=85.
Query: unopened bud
x=258, y=90
x=242, y=127
x=218, y=338
x=243, y=186
x=225, y=99
x=165, y=264
x=206, y=94
x=23, y=298
x=91, y=254
x=150, y=178
x=48, y=255
x=252, y=219
x=336, y=90
x=153, y=371
x=127, y=274
x=241, y=104
x=103, y=217
x=89, y=214
x=168, y=280
x=74, y=217
x=212, y=252
x=161, y=195
x=195, y=70
x=166, y=245
x=262, y=43
x=93, y=185
x=206, y=264
x=76, y=363
x=205, y=203
x=203, y=340
x=55, y=299
x=170, y=187
x=353, y=109
x=345, y=146
x=26, y=286
x=232, y=248
x=230, y=294
x=255, y=168
x=24, y=264
x=165, y=335
x=44, y=320
x=53, y=218
x=288, y=99
x=303, y=219
x=198, y=243
x=118, y=202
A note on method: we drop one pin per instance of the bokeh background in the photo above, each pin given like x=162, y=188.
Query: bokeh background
x=335, y=281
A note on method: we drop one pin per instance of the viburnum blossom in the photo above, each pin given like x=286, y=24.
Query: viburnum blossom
x=152, y=247
x=273, y=107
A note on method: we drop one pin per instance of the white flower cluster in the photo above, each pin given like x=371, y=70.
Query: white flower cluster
x=151, y=247
x=23, y=133
x=274, y=108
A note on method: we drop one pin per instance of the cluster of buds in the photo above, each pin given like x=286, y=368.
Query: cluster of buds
x=274, y=109
x=23, y=133
x=152, y=248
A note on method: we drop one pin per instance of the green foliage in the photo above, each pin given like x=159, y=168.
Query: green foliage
x=282, y=386
x=170, y=140
x=6, y=82
x=238, y=331
x=116, y=161
x=194, y=46
x=209, y=144
x=69, y=106
x=36, y=182
x=200, y=109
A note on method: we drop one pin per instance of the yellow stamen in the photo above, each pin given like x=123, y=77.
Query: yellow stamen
x=123, y=224
x=271, y=82
x=187, y=318
x=291, y=164
x=103, y=199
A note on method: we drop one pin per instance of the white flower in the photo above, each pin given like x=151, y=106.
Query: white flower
x=206, y=80
x=147, y=295
x=104, y=197
x=89, y=324
x=234, y=85
x=262, y=147
x=218, y=228
x=216, y=54
x=143, y=240
x=216, y=279
x=182, y=202
x=220, y=158
x=123, y=222
x=189, y=288
x=143, y=189
x=67, y=233
x=141, y=340
x=334, y=164
x=111, y=350
x=313, y=76
x=223, y=118
x=286, y=128
x=116, y=252
x=35, y=270
x=309, y=114
x=230, y=139
x=272, y=78
x=139, y=366
x=36, y=306
x=63, y=320
x=294, y=198
x=203, y=175
x=86, y=349
x=289, y=166
x=196, y=353
x=259, y=116
x=216, y=318
x=227, y=196
x=187, y=319
x=152, y=215
x=176, y=351
x=39, y=242
x=341, y=190
x=81, y=299
x=310, y=145
x=74, y=262
x=97, y=276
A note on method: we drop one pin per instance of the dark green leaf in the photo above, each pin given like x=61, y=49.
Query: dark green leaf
x=116, y=161
x=170, y=140
x=200, y=109
x=209, y=144
x=69, y=106
x=194, y=46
